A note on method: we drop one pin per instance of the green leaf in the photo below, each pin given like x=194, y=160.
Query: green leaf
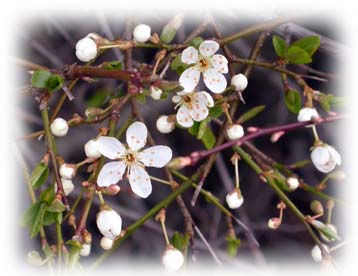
x=29, y=215
x=329, y=233
x=232, y=245
x=328, y=100
x=36, y=223
x=39, y=78
x=196, y=41
x=48, y=219
x=177, y=65
x=113, y=65
x=178, y=241
x=39, y=175
x=293, y=101
x=48, y=195
x=250, y=114
x=215, y=111
x=208, y=138
x=296, y=55
x=56, y=206
x=310, y=44
x=194, y=129
x=168, y=34
x=142, y=98
x=202, y=128
x=54, y=83
x=97, y=99
x=74, y=243
x=279, y=45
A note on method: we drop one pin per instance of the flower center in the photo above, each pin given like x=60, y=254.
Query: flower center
x=130, y=158
x=187, y=99
x=204, y=63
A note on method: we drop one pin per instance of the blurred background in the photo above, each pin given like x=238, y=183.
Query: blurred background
x=50, y=41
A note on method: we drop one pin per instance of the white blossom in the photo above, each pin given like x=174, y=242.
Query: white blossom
x=85, y=250
x=141, y=33
x=106, y=243
x=193, y=106
x=59, y=127
x=325, y=158
x=306, y=114
x=239, y=81
x=207, y=62
x=274, y=223
x=155, y=92
x=164, y=124
x=67, y=171
x=67, y=185
x=235, y=132
x=109, y=223
x=292, y=183
x=91, y=149
x=316, y=253
x=172, y=259
x=86, y=49
x=234, y=199
x=132, y=159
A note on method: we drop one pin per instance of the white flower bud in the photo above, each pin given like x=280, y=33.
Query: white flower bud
x=109, y=223
x=292, y=183
x=59, y=127
x=239, y=81
x=164, y=125
x=334, y=229
x=234, y=199
x=141, y=33
x=306, y=114
x=172, y=259
x=155, y=92
x=86, y=49
x=235, y=132
x=67, y=185
x=317, y=254
x=86, y=249
x=91, y=149
x=106, y=243
x=274, y=223
x=325, y=158
x=67, y=171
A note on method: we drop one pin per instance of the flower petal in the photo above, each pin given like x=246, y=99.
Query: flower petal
x=183, y=117
x=139, y=181
x=215, y=81
x=320, y=156
x=219, y=62
x=335, y=155
x=110, y=147
x=176, y=99
x=136, y=135
x=199, y=111
x=204, y=97
x=190, y=55
x=157, y=156
x=208, y=47
x=190, y=78
x=111, y=173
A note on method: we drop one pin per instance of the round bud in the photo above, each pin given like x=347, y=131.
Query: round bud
x=338, y=175
x=86, y=49
x=274, y=223
x=306, y=114
x=59, y=127
x=234, y=199
x=67, y=171
x=292, y=183
x=106, y=243
x=141, y=33
x=91, y=149
x=317, y=254
x=155, y=92
x=165, y=124
x=172, y=259
x=239, y=82
x=86, y=249
x=109, y=223
x=111, y=190
x=316, y=207
x=235, y=132
x=333, y=228
x=67, y=185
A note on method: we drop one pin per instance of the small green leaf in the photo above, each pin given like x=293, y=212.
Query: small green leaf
x=177, y=65
x=215, y=111
x=39, y=175
x=310, y=44
x=194, y=129
x=178, y=241
x=293, y=101
x=167, y=34
x=74, y=243
x=328, y=100
x=279, y=45
x=232, y=245
x=56, y=206
x=329, y=233
x=196, y=41
x=39, y=78
x=296, y=55
x=48, y=219
x=142, y=98
x=97, y=99
x=54, y=83
x=250, y=114
x=36, y=223
x=202, y=128
x=48, y=195
x=208, y=138
x=113, y=65
x=29, y=214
